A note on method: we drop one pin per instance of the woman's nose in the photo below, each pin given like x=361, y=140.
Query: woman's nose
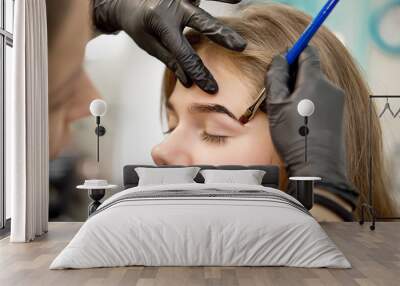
x=171, y=151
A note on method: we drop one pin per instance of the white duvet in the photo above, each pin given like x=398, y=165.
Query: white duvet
x=188, y=231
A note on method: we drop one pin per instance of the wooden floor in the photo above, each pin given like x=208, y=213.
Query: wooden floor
x=375, y=257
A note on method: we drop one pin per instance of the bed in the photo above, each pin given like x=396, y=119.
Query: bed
x=201, y=224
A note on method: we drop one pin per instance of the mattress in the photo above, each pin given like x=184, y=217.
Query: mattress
x=201, y=225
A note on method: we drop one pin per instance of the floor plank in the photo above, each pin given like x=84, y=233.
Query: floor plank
x=375, y=257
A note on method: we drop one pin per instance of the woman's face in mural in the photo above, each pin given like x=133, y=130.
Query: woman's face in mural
x=203, y=129
x=70, y=89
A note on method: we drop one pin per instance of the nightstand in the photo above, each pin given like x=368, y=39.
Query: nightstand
x=96, y=191
x=305, y=190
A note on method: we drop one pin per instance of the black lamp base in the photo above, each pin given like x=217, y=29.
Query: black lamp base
x=305, y=193
x=96, y=195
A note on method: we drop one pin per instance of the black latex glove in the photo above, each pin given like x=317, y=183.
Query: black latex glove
x=157, y=27
x=326, y=145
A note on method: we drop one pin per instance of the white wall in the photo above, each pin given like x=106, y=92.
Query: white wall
x=384, y=79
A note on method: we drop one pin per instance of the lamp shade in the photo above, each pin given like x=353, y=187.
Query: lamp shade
x=98, y=107
x=305, y=108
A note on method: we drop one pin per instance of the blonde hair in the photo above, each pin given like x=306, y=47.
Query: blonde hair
x=271, y=29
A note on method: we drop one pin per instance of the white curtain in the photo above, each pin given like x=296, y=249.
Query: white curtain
x=27, y=158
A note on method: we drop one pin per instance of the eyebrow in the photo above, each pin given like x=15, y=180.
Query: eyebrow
x=205, y=108
x=211, y=108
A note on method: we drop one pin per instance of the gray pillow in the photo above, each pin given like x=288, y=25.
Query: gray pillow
x=163, y=176
x=247, y=177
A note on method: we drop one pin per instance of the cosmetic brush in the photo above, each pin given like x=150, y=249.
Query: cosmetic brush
x=251, y=111
x=292, y=55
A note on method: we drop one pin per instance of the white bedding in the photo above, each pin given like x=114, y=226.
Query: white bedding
x=183, y=231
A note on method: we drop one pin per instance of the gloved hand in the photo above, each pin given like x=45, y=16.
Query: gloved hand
x=326, y=145
x=157, y=27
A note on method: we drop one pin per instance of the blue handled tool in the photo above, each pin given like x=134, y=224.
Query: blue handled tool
x=294, y=53
x=306, y=37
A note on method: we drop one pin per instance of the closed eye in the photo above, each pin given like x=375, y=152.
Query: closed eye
x=213, y=139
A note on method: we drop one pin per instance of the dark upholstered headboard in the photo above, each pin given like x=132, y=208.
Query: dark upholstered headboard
x=270, y=179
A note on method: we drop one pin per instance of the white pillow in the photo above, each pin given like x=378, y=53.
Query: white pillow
x=248, y=177
x=163, y=176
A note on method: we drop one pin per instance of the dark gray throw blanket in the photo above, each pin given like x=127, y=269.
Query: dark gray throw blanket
x=205, y=194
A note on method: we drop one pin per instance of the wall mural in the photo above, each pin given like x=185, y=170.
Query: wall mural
x=163, y=117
